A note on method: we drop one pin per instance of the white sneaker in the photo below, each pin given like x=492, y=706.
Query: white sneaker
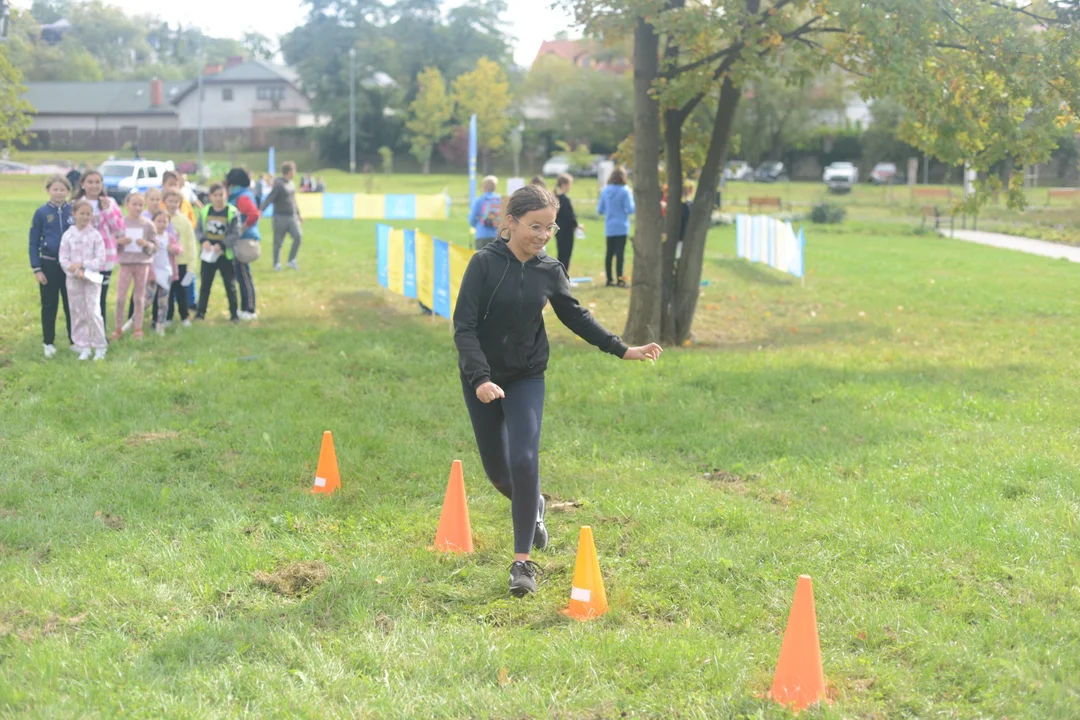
x=99, y=355
x=128, y=325
x=186, y=323
x=293, y=265
x=247, y=315
x=160, y=331
x=73, y=349
x=84, y=354
x=277, y=266
x=50, y=351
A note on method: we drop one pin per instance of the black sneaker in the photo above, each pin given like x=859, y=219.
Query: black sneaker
x=523, y=577
x=540, y=536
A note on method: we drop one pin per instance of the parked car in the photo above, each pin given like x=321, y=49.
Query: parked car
x=769, y=172
x=556, y=165
x=886, y=173
x=841, y=176
x=122, y=177
x=11, y=167
x=736, y=170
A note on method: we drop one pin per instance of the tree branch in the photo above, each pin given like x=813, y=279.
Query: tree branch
x=835, y=62
x=728, y=50
x=1044, y=21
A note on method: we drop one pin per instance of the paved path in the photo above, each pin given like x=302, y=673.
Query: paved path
x=1012, y=242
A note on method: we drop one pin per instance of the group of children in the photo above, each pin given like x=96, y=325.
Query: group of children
x=77, y=246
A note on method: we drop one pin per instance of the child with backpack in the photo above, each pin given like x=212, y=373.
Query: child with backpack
x=486, y=213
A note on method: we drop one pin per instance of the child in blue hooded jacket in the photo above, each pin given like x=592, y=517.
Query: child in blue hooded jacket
x=616, y=205
x=50, y=222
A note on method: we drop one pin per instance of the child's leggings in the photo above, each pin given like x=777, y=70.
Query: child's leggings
x=125, y=275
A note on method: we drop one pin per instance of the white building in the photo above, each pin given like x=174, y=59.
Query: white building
x=251, y=101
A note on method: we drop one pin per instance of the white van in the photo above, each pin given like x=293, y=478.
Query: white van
x=125, y=176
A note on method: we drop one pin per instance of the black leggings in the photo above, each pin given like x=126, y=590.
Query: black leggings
x=616, y=248
x=52, y=293
x=508, y=437
x=565, y=243
x=106, y=276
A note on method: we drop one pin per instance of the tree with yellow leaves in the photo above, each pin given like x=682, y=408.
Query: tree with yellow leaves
x=429, y=115
x=485, y=92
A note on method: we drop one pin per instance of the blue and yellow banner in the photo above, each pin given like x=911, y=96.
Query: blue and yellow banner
x=416, y=265
x=346, y=206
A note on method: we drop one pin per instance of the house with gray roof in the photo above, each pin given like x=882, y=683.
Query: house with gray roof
x=248, y=101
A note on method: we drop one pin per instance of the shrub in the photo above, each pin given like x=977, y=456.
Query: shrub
x=828, y=213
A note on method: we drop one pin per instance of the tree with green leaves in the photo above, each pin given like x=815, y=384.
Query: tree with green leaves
x=485, y=92
x=429, y=116
x=979, y=78
x=393, y=40
x=16, y=114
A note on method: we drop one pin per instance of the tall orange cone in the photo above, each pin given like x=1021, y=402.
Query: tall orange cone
x=455, y=532
x=587, y=596
x=327, y=479
x=800, y=680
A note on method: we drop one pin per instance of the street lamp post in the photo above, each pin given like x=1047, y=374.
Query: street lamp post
x=352, y=111
x=202, y=68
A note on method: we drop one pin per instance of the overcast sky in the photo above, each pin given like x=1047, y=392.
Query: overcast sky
x=530, y=21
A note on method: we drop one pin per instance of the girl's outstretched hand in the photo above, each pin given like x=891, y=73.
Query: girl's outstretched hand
x=644, y=352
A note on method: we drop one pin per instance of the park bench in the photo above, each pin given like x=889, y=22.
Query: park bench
x=933, y=212
x=1069, y=194
x=766, y=202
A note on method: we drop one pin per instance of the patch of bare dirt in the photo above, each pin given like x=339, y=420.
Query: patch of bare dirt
x=151, y=437
x=294, y=579
x=113, y=522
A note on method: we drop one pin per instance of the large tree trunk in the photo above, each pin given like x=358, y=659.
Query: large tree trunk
x=688, y=273
x=643, y=322
x=673, y=121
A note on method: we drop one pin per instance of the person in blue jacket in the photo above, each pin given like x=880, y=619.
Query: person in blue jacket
x=238, y=183
x=486, y=213
x=616, y=205
x=50, y=222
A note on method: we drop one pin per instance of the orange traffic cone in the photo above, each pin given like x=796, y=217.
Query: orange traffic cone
x=800, y=680
x=587, y=596
x=455, y=533
x=327, y=479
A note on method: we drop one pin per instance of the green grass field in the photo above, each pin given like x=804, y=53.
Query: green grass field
x=903, y=429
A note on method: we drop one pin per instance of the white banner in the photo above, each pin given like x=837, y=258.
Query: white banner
x=764, y=239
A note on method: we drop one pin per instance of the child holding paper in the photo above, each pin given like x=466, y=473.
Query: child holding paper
x=218, y=231
x=136, y=250
x=163, y=269
x=82, y=257
x=185, y=234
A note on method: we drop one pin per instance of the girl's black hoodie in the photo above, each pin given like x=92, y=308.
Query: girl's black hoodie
x=499, y=316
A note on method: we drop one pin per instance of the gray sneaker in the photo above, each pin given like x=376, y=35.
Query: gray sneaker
x=523, y=577
x=540, y=536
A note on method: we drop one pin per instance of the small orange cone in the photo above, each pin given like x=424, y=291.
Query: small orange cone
x=800, y=680
x=587, y=596
x=327, y=478
x=455, y=532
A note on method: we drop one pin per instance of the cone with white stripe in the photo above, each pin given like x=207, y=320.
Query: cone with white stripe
x=327, y=478
x=587, y=597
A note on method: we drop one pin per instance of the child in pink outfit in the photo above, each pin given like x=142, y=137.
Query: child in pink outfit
x=109, y=220
x=136, y=250
x=82, y=250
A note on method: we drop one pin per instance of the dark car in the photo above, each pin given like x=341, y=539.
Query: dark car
x=769, y=172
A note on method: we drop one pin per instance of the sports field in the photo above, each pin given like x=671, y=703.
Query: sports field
x=903, y=429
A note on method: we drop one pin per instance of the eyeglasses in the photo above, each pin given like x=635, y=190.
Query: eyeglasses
x=538, y=230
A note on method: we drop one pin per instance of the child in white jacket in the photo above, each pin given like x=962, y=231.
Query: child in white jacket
x=82, y=257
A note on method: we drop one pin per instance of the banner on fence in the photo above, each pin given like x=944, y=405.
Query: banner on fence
x=417, y=265
x=764, y=239
x=347, y=206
